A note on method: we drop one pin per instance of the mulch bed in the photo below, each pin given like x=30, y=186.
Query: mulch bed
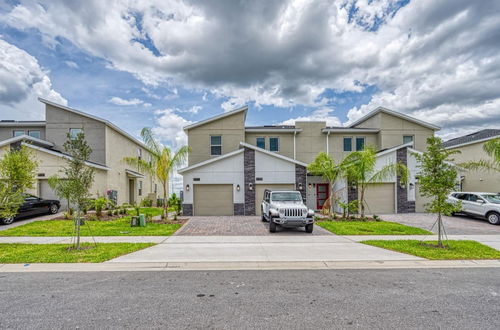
x=170, y=221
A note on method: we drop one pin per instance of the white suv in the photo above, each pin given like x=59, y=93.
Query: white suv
x=480, y=204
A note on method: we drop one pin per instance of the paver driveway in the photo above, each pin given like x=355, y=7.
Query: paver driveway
x=457, y=225
x=237, y=226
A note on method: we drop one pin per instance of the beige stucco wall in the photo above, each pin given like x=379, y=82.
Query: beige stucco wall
x=336, y=143
x=118, y=147
x=487, y=181
x=311, y=141
x=285, y=141
x=231, y=128
x=392, y=130
x=8, y=132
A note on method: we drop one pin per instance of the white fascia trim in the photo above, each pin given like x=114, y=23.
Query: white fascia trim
x=350, y=130
x=385, y=152
x=472, y=142
x=64, y=156
x=273, y=130
x=209, y=161
x=104, y=121
x=26, y=137
x=270, y=153
x=394, y=113
x=222, y=115
x=22, y=123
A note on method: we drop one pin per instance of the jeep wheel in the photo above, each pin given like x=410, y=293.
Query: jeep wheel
x=309, y=228
x=7, y=221
x=272, y=226
x=493, y=218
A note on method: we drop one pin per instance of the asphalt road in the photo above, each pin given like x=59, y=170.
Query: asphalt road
x=375, y=299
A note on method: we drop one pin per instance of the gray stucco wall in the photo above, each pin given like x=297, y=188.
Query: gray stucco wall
x=8, y=132
x=59, y=122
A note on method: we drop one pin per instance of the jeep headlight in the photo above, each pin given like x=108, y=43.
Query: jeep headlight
x=310, y=213
x=273, y=212
x=282, y=211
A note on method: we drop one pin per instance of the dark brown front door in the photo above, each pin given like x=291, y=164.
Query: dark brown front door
x=322, y=194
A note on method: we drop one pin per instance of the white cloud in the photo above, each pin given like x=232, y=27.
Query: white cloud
x=438, y=60
x=322, y=114
x=71, y=64
x=119, y=101
x=22, y=81
x=170, y=127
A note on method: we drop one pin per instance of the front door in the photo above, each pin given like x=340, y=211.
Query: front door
x=322, y=194
x=131, y=191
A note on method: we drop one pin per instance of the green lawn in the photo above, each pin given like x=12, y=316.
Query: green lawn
x=120, y=227
x=370, y=228
x=457, y=250
x=55, y=253
x=154, y=211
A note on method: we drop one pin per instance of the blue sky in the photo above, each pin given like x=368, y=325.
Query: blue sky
x=164, y=64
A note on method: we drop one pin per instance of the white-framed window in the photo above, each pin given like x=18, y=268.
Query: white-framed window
x=139, y=153
x=261, y=142
x=156, y=188
x=360, y=143
x=36, y=134
x=215, y=145
x=150, y=159
x=140, y=188
x=407, y=138
x=347, y=143
x=274, y=144
x=18, y=132
x=73, y=132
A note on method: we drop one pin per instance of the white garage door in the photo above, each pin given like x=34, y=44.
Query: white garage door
x=379, y=198
x=46, y=192
x=213, y=199
x=259, y=192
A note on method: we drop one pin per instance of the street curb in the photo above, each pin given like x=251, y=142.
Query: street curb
x=197, y=266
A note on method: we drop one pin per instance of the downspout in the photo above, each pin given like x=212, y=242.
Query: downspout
x=328, y=142
x=294, y=150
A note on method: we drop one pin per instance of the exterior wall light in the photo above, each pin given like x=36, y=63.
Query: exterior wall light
x=412, y=186
x=299, y=186
x=310, y=185
x=238, y=187
x=250, y=186
x=187, y=187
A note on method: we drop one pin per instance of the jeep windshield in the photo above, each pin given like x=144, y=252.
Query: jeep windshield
x=495, y=199
x=286, y=197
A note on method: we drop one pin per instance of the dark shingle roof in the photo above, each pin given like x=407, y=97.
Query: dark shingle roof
x=480, y=135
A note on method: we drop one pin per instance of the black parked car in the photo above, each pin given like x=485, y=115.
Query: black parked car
x=34, y=206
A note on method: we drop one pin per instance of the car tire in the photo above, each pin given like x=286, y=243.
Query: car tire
x=309, y=228
x=7, y=221
x=53, y=208
x=272, y=227
x=262, y=217
x=493, y=218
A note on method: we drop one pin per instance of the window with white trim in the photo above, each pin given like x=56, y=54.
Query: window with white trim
x=18, y=133
x=274, y=144
x=140, y=188
x=261, y=142
x=407, y=138
x=36, y=134
x=215, y=145
x=139, y=153
x=73, y=132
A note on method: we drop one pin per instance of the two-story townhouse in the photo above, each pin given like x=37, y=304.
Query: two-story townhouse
x=109, y=143
x=470, y=148
x=231, y=164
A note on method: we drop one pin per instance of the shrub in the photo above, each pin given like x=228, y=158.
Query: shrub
x=93, y=217
x=146, y=202
x=99, y=204
x=376, y=218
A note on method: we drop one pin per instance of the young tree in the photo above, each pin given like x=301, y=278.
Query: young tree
x=17, y=173
x=325, y=166
x=437, y=179
x=77, y=177
x=359, y=168
x=62, y=188
x=163, y=162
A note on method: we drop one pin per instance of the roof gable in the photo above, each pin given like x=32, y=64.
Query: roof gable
x=214, y=118
x=396, y=114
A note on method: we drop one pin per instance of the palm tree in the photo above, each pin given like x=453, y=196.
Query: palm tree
x=359, y=168
x=163, y=162
x=492, y=148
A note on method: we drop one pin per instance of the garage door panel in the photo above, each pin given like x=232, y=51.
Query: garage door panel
x=379, y=198
x=259, y=192
x=216, y=199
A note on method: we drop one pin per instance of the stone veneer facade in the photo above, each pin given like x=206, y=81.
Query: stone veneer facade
x=300, y=178
x=404, y=205
x=187, y=209
x=239, y=208
x=249, y=174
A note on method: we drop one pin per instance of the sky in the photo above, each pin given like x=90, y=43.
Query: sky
x=165, y=64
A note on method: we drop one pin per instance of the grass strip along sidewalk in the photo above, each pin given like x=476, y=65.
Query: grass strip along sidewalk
x=119, y=227
x=59, y=253
x=454, y=250
x=370, y=228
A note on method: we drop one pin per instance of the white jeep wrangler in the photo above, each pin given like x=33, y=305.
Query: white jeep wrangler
x=286, y=209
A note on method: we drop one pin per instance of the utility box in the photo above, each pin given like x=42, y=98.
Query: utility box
x=142, y=220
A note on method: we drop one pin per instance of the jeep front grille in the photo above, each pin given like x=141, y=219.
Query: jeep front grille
x=293, y=212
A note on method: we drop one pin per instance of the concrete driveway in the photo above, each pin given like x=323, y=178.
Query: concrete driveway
x=457, y=225
x=238, y=226
x=26, y=220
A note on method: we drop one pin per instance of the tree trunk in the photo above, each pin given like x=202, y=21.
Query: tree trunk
x=440, y=241
x=362, y=202
x=165, y=203
x=331, y=198
x=78, y=230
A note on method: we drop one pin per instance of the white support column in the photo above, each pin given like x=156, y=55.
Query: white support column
x=328, y=143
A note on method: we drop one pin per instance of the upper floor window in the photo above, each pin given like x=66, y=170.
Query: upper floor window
x=73, y=132
x=35, y=134
x=360, y=143
x=347, y=143
x=215, y=145
x=407, y=138
x=156, y=188
x=140, y=188
x=274, y=144
x=18, y=133
x=139, y=153
x=261, y=142
x=150, y=159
